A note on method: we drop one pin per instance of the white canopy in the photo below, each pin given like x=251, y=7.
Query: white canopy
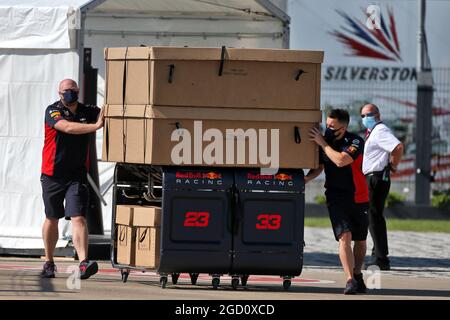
x=48, y=24
x=42, y=42
x=38, y=24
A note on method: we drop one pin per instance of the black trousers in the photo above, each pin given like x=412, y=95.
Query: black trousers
x=378, y=192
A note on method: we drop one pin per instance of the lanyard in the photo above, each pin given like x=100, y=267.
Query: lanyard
x=369, y=132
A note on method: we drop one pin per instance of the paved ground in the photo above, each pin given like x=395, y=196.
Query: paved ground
x=421, y=270
x=411, y=253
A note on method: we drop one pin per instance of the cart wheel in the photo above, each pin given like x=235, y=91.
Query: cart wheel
x=163, y=282
x=244, y=280
x=286, y=284
x=124, y=273
x=194, y=277
x=235, y=283
x=215, y=283
x=175, y=277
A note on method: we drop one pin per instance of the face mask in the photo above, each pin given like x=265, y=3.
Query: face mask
x=70, y=96
x=330, y=134
x=369, y=122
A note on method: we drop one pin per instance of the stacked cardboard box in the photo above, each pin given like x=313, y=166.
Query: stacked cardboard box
x=147, y=221
x=155, y=97
x=125, y=237
x=138, y=235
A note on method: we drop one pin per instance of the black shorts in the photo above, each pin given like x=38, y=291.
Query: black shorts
x=74, y=191
x=348, y=216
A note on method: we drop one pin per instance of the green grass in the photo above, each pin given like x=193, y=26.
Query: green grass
x=317, y=222
x=394, y=224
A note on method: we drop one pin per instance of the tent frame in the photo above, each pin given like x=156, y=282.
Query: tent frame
x=267, y=4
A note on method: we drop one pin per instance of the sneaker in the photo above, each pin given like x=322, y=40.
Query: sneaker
x=350, y=287
x=88, y=269
x=382, y=264
x=48, y=271
x=360, y=285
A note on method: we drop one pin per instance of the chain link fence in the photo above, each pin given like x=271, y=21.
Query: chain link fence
x=394, y=91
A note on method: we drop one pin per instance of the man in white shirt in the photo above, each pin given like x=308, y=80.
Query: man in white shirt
x=382, y=154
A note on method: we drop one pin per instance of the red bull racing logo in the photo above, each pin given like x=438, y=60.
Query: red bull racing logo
x=280, y=179
x=198, y=178
x=283, y=177
x=212, y=175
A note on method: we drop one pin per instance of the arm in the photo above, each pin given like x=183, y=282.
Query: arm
x=313, y=173
x=75, y=127
x=79, y=128
x=396, y=156
x=340, y=159
x=388, y=142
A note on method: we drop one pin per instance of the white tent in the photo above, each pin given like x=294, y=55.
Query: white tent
x=42, y=42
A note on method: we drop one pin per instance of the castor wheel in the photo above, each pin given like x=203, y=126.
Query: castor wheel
x=235, y=283
x=286, y=284
x=124, y=273
x=194, y=277
x=244, y=280
x=175, y=277
x=215, y=283
x=163, y=282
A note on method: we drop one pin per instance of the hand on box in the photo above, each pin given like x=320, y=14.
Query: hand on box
x=100, y=118
x=316, y=136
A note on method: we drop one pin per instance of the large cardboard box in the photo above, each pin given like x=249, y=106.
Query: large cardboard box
x=127, y=70
x=124, y=134
x=147, y=221
x=125, y=236
x=157, y=137
x=199, y=77
x=250, y=78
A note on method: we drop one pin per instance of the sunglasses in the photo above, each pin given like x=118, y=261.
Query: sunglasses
x=370, y=114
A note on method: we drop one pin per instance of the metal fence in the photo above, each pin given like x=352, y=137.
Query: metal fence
x=393, y=90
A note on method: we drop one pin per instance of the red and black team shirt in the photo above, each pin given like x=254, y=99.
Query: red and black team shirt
x=66, y=155
x=348, y=180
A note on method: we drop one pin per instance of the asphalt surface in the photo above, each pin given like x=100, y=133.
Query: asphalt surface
x=420, y=270
x=19, y=279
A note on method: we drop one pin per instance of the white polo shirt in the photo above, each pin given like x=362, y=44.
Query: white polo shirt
x=377, y=148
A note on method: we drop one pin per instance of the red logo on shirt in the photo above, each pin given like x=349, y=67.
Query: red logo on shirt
x=351, y=149
x=55, y=114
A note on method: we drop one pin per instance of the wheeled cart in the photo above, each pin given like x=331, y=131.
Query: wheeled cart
x=218, y=221
x=132, y=185
x=196, y=223
x=268, y=224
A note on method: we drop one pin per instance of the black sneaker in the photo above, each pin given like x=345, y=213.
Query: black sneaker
x=350, y=287
x=88, y=269
x=360, y=285
x=382, y=264
x=48, y=271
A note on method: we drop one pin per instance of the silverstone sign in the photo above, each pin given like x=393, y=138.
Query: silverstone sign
x=358, y=73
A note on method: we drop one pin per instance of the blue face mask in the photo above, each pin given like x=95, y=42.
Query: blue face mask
x=70, y=96
x=369, y=122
